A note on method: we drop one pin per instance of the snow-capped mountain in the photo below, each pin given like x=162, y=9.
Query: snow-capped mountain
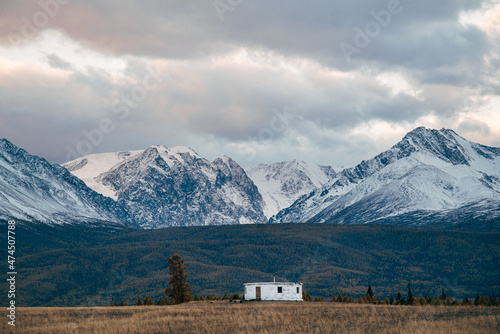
x=91, y=166
x=281, y=183
x=162, y=187
x=429, y=177
x=32, y=189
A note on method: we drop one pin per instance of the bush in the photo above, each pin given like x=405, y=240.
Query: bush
x=437, y=302
x=306, y=297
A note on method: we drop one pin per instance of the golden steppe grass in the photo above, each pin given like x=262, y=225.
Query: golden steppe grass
x=257, y=317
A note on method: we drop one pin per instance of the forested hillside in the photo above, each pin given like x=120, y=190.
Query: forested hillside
x=82, y=265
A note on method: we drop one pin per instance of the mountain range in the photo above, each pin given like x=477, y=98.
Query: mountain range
x=162, y=187
x=32, y=189
x=432, y=178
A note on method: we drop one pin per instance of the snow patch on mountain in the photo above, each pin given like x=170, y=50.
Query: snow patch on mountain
x=281, y=183
x=162, y=187
x=33, y=189
x=427, y=172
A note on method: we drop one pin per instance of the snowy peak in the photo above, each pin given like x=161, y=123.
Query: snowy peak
x=284, y=182
x=176, y=153
x=90, y=167
x=33, y=189
x=182, y=150
x=429, y=176
x=429, y=172
x=163, y=186
x=446, y=145
x=430, y=146
x=440, y=143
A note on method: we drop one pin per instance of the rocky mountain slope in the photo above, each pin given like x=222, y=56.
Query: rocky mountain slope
x=429, y=177
x=281, y=183
x=162, y=187
x=33, y=189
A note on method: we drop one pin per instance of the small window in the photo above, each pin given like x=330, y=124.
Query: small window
x=298, y=290
x=280, y=289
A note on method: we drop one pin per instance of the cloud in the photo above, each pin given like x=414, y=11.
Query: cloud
x=69, y=66
x=57, y=62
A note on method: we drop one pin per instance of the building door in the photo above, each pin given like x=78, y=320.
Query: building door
x=257, y=292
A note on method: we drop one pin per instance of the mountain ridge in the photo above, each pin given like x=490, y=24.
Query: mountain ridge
x=430, y=177
x=431, y=170
x=282, y=183
x=32, y=188
x=162, y=186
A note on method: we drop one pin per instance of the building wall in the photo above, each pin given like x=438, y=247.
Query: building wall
x=269, y=291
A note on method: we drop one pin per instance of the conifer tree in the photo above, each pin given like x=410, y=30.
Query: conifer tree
x=139, y=301
x=493, y=299
x=370, y=291
x=428, y=299
x=443, y=295
x=179, y=290
x=410, y=295
x=398, y=297
x=476, y=300
x=339, y=298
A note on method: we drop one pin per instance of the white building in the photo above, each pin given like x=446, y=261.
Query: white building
x=273, y=291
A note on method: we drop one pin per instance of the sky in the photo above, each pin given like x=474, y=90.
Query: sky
x=327, y=82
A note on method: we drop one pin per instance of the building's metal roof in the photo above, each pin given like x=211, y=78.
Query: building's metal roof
x=273, y=283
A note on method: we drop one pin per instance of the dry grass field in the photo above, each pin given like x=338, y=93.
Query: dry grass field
x=254, y=317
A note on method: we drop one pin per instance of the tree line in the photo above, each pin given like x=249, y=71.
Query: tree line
x=410, y=299
x=178, y=291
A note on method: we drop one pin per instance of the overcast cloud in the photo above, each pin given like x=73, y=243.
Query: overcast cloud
x=260, y=81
